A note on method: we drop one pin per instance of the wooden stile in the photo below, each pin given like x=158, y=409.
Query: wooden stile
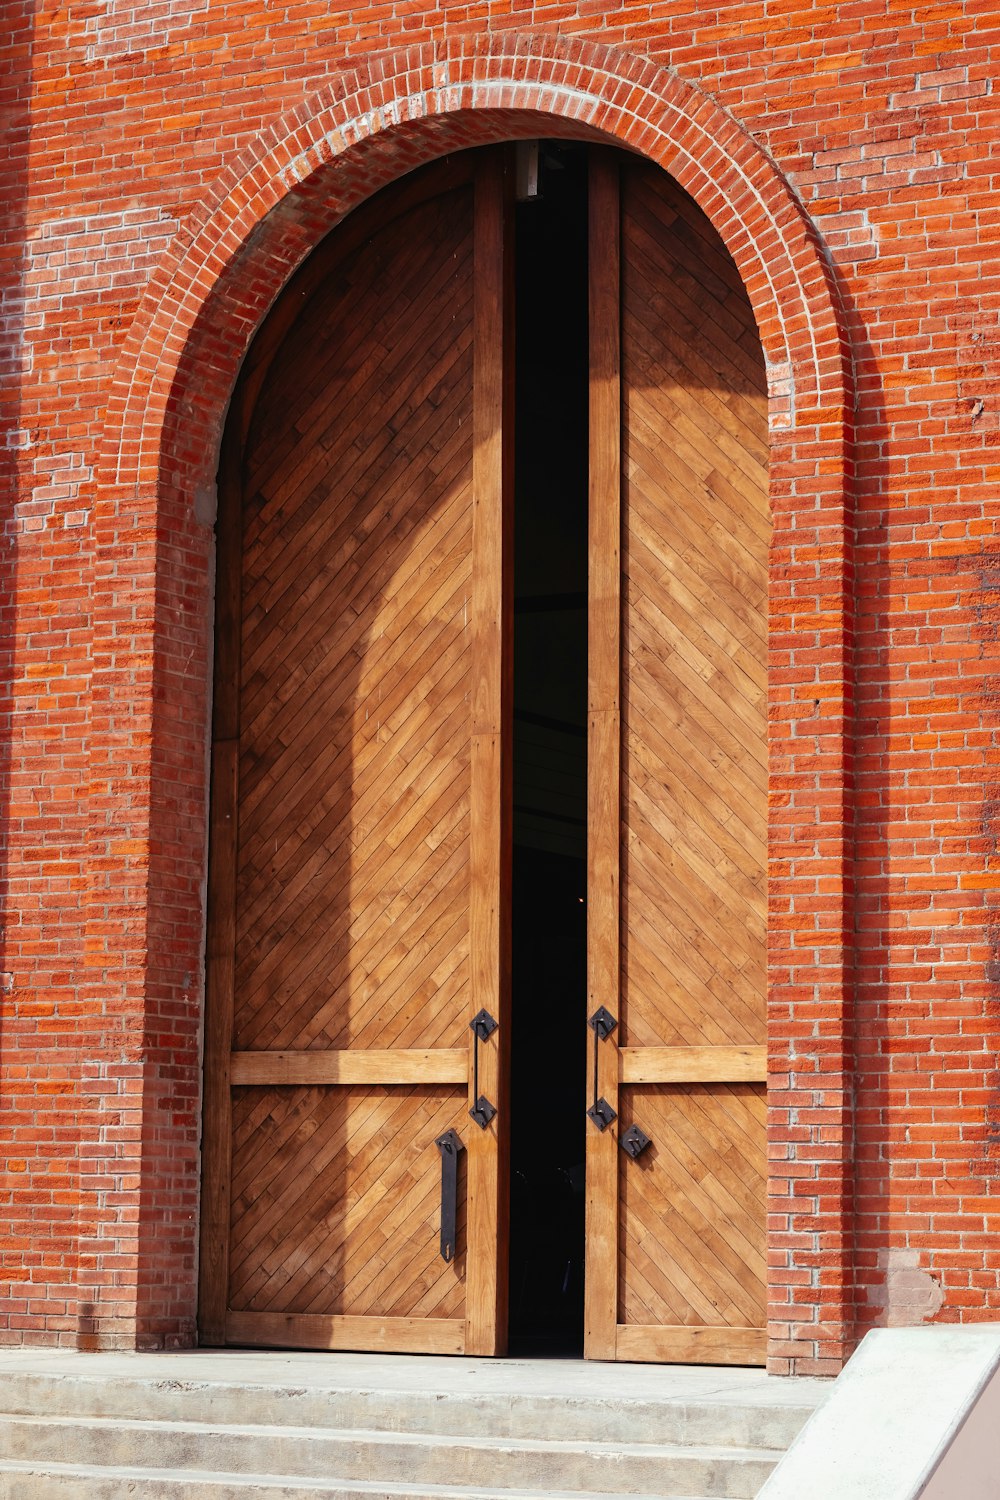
x=492, y=723
x=604, y=743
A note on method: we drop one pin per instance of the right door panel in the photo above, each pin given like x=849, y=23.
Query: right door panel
x=685, y=978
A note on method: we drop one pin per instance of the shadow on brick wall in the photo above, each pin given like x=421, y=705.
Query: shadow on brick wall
x=872, y=718
x=927, y=1122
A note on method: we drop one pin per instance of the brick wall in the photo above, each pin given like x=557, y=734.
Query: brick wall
x=166, y=167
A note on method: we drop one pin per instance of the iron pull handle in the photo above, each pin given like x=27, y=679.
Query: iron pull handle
x=602, y=1023
x=449, y=1146
x=482, y=1027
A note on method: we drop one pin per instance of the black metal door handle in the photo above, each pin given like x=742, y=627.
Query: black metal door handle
x=482, y=1027
x=634, y=1141
x=602, y=1023
x=449, y=1146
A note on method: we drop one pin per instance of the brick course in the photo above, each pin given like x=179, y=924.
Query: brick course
x=166, y=167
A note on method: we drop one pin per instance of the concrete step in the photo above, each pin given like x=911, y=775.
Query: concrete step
x=29, y=1481
x=215, y=1425
x=576, y=1403
x=461, y=1464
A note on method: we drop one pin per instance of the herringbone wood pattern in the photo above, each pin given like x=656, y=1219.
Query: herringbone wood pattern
x=336, y=1202
x=692, y=1251
x=352, y=875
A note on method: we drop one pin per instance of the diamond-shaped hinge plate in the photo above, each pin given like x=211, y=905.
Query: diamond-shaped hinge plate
x=603, y=1022
x=483, y=1025
x=482, y=1111
x=602, y=1114
x=634, y=1141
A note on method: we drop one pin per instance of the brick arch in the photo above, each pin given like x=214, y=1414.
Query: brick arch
x=152, y=642
x=396, y=110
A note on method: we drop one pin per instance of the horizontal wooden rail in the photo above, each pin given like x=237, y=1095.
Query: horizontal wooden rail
x=693, y=1064
x=661, y=1344
x=363, y=1066
x=326, y=1331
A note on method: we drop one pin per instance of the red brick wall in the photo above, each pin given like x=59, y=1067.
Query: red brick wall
x=167, y=167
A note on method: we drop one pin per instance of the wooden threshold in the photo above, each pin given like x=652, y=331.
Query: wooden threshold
x=385, y=1066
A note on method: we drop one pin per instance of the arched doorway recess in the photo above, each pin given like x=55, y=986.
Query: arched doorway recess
x=381, y=763
x=153, y=497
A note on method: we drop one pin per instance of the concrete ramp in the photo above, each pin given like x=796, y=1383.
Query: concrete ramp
x=915, y=1415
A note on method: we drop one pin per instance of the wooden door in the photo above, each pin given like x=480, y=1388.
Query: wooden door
x=676, y=906
x=359, y=889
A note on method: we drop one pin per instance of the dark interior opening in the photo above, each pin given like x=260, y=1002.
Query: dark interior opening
x=550, y=759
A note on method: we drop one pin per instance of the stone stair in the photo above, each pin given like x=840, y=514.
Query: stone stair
x=352, y=1427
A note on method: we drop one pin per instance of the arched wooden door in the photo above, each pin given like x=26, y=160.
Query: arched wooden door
x=679, y=528
x=358, y=883
x=361, y=810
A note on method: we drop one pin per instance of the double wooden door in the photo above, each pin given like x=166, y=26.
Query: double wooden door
x=359, y=901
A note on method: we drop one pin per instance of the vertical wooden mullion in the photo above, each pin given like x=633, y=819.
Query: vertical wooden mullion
x=221, y=915
x=603, y=742
x=491, y=750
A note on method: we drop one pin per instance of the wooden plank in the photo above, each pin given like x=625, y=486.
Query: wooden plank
x=319, y=1331
x=660, y=1344
x=319, y=848
x=373, y=1065
x=347, y=552
x=414, y=284
x=683, y=581
x=402, y=546
x=693, y=1064
x=728, y=1164
x=371, y=661
x=492, y=746
x=658, y=1286
x=604, y=743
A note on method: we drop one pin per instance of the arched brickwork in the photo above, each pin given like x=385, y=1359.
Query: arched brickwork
x=165, y=413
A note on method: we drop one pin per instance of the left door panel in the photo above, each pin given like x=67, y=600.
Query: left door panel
x=360, y=799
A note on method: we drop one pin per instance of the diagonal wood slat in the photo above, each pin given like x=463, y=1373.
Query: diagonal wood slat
x=694, y=800
x=696, y=1193
x=355, y=647
x=358, y=1232
x=352, y=871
